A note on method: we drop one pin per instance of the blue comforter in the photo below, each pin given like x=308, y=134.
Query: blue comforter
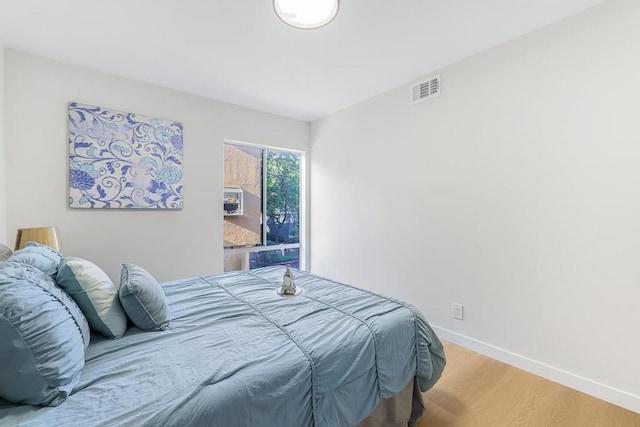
x=237, y=354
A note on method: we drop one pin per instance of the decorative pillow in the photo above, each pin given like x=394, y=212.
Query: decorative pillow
x=95, y=293
x=43, y=336
x=143, y=299
x=5, y=252
x=42, y=257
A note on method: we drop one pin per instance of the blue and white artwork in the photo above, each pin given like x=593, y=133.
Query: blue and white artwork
x=123, y=160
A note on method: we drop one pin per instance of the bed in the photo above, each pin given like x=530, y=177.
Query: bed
x=238, y=354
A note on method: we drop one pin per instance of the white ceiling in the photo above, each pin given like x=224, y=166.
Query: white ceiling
x=238, y=50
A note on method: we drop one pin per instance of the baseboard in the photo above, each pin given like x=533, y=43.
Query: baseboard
x=593, y=388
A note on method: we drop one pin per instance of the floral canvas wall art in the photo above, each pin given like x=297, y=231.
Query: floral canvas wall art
x=123, y=160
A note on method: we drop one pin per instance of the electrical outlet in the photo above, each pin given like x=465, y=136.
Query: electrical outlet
x=456, y=311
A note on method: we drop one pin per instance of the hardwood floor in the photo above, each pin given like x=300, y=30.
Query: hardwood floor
x=477, y=391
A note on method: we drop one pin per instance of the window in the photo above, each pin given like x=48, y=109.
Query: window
x=262, y=214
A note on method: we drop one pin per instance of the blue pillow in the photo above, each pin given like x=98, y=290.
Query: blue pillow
x=143, y=299
x=43, y=337
x=42, y=257
x=95, y=293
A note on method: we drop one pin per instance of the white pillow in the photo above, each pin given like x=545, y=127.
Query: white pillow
x=5, y=252
x=95, y=293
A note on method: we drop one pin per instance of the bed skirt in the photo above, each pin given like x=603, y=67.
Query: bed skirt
x=402, y=410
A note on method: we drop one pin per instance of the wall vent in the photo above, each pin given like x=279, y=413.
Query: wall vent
x=427, y=89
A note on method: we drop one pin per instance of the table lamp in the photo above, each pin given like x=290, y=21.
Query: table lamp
x=49, y=236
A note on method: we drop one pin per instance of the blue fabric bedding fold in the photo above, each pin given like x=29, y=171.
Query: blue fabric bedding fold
x=237, y=354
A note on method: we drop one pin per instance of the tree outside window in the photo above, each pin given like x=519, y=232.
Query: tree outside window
x=283, y=197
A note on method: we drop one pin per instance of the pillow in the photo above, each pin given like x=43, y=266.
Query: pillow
x=43, y=335
x=95, y=293
x=143, y=299
x=5, y=252
x=42, y=257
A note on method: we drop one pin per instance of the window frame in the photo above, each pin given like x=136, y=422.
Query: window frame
x=302, y=226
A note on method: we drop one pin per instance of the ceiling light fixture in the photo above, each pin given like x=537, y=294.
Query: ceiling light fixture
x=306, y=14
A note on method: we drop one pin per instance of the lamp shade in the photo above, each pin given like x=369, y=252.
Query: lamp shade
x=307, y=14
x=49, y=236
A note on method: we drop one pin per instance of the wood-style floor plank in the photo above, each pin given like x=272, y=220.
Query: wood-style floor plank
x=477, y=391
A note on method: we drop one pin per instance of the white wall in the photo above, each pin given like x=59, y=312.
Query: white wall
x=516, y=193
x=170, y=244
x=3, y=167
